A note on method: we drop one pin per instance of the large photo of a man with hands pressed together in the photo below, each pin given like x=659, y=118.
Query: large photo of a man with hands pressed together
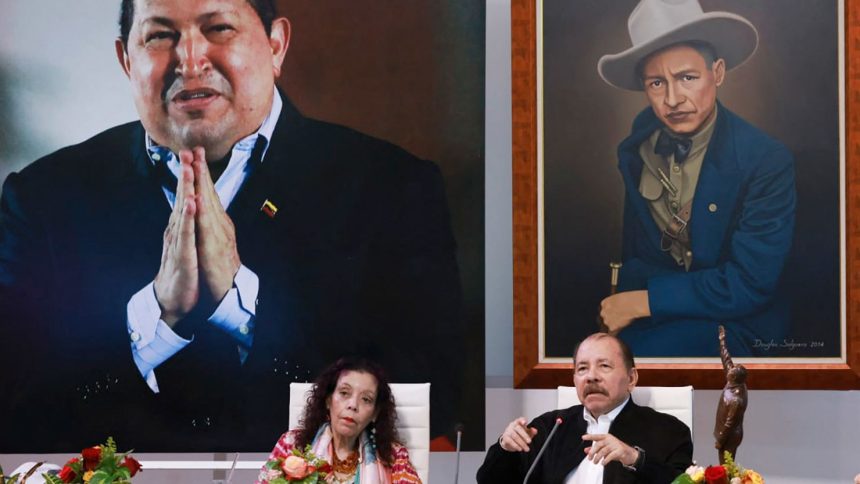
x=166, y=279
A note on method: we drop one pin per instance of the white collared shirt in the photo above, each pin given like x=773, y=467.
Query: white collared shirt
x=588, y=472
x=152, y=341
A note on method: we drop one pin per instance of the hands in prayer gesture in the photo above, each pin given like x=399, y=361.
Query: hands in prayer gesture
x=199, y=258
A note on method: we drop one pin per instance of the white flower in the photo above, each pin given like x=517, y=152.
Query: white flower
x=697, y=473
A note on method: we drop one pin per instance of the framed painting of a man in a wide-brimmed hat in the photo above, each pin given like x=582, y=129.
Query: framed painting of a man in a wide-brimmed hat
x=709, y=198
x=697, y=143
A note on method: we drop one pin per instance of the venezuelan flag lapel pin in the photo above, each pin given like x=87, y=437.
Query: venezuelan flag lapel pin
x=269, y=208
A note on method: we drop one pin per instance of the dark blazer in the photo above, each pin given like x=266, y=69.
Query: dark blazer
x=665, y=440
x=360, y=258
x=741, y=229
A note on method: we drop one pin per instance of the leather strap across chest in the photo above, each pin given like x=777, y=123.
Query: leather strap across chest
x=676, y=229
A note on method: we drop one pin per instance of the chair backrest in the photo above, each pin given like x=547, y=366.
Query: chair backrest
x=676, y=401
x=413, y=419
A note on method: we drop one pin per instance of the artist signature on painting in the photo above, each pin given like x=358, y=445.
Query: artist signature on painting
x=789, y=344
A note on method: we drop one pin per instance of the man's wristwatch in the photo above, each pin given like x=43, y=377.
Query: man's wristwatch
x=640, y=461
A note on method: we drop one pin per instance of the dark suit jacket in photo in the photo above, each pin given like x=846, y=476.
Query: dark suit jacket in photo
x=741, y=229
x=359, y=259
x=665, y=439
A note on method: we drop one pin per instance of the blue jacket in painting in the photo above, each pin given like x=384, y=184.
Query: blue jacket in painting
x=741, y=229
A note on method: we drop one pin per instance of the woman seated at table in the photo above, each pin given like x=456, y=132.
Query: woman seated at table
x=349, y=422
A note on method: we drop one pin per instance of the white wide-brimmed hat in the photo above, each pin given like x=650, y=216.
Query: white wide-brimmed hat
x=655, y=24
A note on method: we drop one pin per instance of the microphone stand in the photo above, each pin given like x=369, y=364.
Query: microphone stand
x=558, y=422
x=457, y=465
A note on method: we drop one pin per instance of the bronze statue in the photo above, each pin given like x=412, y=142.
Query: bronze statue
x=729, y=427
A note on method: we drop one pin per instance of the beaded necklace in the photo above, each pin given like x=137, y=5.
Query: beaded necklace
x=344, y=467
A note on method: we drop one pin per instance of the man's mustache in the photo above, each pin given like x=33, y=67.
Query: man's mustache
x=593, y=388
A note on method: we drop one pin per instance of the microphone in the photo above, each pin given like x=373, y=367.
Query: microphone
x=558, y=422
x=232, y=469
x=459, y=429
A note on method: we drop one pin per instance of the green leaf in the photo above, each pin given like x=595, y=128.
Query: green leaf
x=122, y=473
x=101, y=477
x=732, y=469
x=77, y=467
x=111, y=445
x=52, y=479
x=683, y=479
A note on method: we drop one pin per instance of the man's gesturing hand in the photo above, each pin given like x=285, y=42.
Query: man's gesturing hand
x=517, y=437
x=607, y=448
x=176, y=285
x=216, y=236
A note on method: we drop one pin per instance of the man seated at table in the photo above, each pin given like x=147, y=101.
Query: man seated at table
x=609, y=438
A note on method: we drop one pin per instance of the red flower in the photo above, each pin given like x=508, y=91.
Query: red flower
x=716, y=475
x=325, y=468
x=67, y=474
x=91, y=456
x=132, y=464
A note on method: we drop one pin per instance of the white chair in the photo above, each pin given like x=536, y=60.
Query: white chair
x=676, y=401
x=413, y=419
x=36, y=477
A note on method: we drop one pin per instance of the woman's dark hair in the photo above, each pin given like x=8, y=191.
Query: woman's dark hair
x=265, y=10
x=317, y=414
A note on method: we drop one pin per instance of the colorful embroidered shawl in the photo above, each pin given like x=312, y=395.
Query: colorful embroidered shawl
x=371, y=470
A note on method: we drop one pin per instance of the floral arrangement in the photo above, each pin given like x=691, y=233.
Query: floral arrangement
x=728, y=473
x=100, y=464
x=302, y=466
